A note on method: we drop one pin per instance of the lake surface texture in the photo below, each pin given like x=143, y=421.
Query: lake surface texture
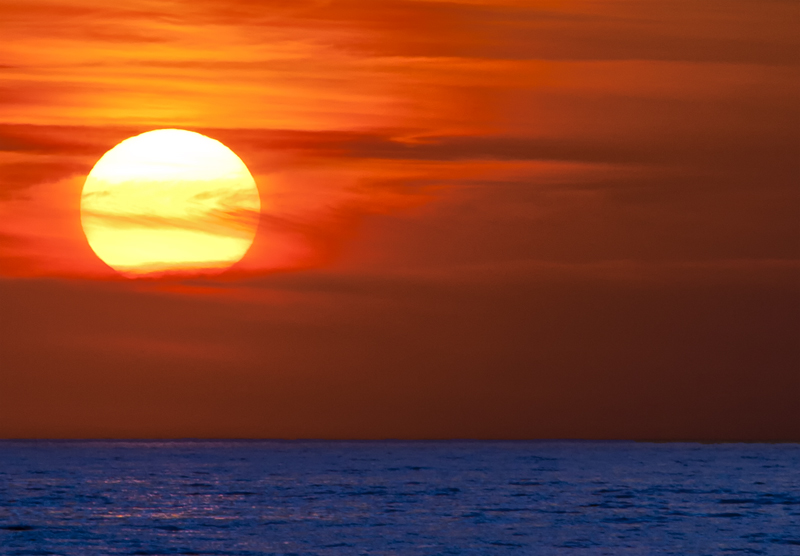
x=403, y=498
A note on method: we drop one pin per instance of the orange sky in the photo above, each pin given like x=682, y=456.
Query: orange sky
x=500, y=219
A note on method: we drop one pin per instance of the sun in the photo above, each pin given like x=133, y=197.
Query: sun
x=170, y=200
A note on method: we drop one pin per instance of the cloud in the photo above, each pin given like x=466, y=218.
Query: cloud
x=563, y=131
x=17, y=177
x=338, y=65
x=62, y=140
x=326, y=356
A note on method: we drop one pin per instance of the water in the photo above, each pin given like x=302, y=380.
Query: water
x=398, y=498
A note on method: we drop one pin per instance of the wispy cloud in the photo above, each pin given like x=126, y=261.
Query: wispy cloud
x=514, y=118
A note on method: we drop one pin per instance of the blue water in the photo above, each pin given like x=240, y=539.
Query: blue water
x=398, y=498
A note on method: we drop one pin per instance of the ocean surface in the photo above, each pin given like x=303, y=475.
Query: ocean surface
x=398, y=498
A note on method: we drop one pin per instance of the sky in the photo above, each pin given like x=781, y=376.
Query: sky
x=479, y=219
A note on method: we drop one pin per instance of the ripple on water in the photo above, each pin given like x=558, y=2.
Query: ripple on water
x=330, y=499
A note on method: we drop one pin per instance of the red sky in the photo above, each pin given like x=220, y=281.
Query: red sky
x=481, y=219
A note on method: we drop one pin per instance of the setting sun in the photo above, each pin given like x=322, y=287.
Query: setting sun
x=170, y=200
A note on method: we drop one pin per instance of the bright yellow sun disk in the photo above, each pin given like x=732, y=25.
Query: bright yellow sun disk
x=170, y=200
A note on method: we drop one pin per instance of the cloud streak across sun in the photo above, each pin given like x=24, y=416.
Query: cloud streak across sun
x=160, y=202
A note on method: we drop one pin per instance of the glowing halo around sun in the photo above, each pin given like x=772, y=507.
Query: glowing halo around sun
x=170, y=201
